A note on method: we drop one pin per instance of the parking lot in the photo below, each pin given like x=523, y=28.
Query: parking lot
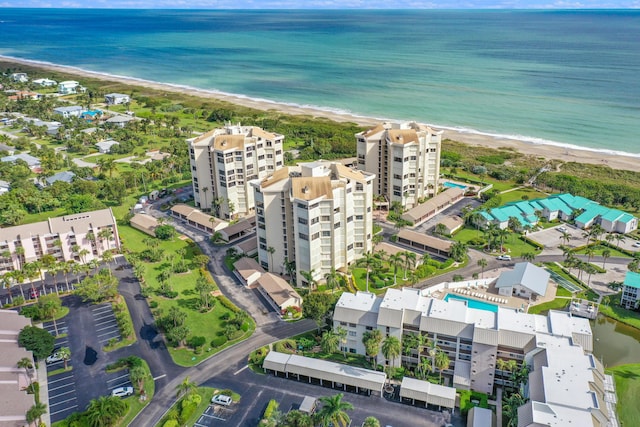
x=550, y=238
x=216, y=415
x=88, y=329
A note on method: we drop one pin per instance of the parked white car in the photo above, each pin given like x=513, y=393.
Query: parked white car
x=636, y=245
x=122, y=391
x=55, y=357
x=504, y=257
x=562, y=229
x=222, y=399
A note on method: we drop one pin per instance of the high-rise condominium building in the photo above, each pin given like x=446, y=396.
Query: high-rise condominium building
x=405, y=159
x=314, y=217
x=224, y=160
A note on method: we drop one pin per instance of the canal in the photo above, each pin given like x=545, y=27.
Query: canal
x=615, y=343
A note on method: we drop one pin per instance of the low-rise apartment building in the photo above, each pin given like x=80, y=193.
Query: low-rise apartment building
x=80, y=237
x=312, y=218
x=405, y=159
x=225, y=160
x=475, y=340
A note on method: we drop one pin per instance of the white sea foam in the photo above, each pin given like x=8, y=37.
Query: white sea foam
x=348, y=115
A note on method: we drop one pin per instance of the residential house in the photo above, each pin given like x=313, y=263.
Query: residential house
x=317, y=216
x=225, y=160
x=70, y=87
x=4, y=148
x=116, y=98
x=80, y=237
x=19, y=77
x=45, y=82
x=119, y=120
x=64, y=176
x=31, y=161
x=405, y=158
x=105, y=146
x=526, y=280
x=630, y=290
x=452, y=224
x=91, y=115
x=19, y=95
x=68, y=111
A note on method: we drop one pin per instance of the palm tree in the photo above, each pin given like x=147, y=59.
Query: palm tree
x=36, y=412
x=589, y=252
x=440, y=229
x=105, y=411
x=510, y=407
x=331, y=279
x=371, y=340
x=391, y=348
x=341, y=333
x=606, y=253
x=138, y=374
x=441, y=362
x=395, y=260
x=186, y=387
x=49, y=306
x=26, y=364
x=368, y=260
x=333, y=411
x=409, y=261
x=529, y=256
x=65, y=355
x=565, y=237
x=482, y=263
x=308, y=277
x=271, y=251
x=330, y=342
x=205, y=206
x=458, y=251
x=619, y=238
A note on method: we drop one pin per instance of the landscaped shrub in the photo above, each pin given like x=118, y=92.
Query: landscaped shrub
x=228, y=304
x=219, y=341
x=258, y=355
x=272, y=406
x=196, y=342
x=232, y=332
x=171, y=423
x=531, y=242
x=153, y=304
x=285, y=346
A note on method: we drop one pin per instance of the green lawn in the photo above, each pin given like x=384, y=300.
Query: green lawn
x=498, y=185
x=627, y=379
x=135, y=404
x=613, y=310
x=556, y=304
x=512, y=243
x=598, y=251
x=210, y=324
x=206, y=393
x=516, y=195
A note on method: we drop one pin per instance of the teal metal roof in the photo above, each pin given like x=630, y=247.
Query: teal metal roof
x=625, y=218
x=525, y=207
x=499, y=214
x=612, y=215
x=486, y=216
x=632, y=279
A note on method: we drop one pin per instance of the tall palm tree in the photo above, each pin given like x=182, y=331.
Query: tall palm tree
x=441, y=362
x=565, y=237
x=510, y=407
x=606, y=253
x=205, y=206
x=395, y=260
x=409, y=261
x=138, y=374
x=371, y=422
x=368, y=260
x=334, y=411
x=529, y=256
x=271, y=250
x=341, y=333
x=36, y=412
x=308, y=277
x=371, y=340
x=482, y=263
x=391, y=348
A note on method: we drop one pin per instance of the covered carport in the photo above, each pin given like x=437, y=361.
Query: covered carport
x=431, y=394
x=337, y=375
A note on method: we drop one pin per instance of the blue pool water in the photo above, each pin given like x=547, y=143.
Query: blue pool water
x=453, y=185
x=473, y=303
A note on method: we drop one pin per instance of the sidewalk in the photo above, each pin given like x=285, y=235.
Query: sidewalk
x=44, y=389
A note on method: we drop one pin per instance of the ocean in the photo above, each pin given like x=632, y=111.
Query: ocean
x=543, y=76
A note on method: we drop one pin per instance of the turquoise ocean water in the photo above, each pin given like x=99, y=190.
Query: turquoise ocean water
x=560, y=77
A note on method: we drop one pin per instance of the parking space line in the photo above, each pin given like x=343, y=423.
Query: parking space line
x=118, y=378
x=70, y=376
x=100, y=308
x=112, y=334
x=107, y=321
x=62, y=394
x=62, y=386
x=107, y=327
x=108, y=333
x=126, y=383
x=214, y=417
x=60, y=403
x=63, y=410
x=103, y=317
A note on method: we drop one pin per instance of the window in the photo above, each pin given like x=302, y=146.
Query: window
x=352, y=333
x=303, y=236
x=349, y=218
x=302, y=206
x=302, y=221
x=325, y=218
x=326, y=234
x=350, y=247
x=314, y=236
x=343, y=323
x=359, y=217
x=314, y=220
x=397, y=159
x=261, y=157
x=336, y=225
x=359, y=187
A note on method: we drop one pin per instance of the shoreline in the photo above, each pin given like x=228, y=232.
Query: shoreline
x=547, y=149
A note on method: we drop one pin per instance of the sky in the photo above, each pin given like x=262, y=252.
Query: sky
x=325, y=4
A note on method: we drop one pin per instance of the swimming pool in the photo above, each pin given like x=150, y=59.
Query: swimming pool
x=473, y=303
x=453, y=185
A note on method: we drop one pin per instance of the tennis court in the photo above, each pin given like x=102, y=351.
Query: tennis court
x=570, y=286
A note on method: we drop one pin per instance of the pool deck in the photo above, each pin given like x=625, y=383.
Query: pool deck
x=489, y=294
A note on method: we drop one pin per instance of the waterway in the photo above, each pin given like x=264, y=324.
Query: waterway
x=615, y=343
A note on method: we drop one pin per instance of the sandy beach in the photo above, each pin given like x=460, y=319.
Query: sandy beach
x=564, y=154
